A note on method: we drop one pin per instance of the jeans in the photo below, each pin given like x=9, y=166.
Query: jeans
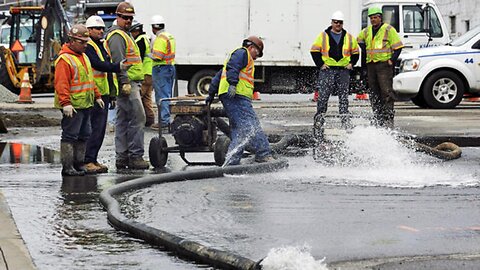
x=329, y=82
x=129, y=133
x=76, y=128
x=98, y=121
x=163, y=77
x=245, y=129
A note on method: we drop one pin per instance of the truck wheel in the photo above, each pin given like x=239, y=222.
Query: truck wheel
x=220, y=149
x=200, y=82
x=419, y=101
x=157, y=151
x=443, y=90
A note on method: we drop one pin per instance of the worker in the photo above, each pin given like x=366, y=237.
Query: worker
x=381, y=46
x=130, y=121
x=234, y=86
x=163, y=72
x=143, y=43
x=335, y=52
x=75, y=94
x=106, y=81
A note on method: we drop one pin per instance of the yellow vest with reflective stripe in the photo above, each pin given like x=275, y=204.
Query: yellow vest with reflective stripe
x=245, y=82
x=322, y=45
x=132, y=55
x=147, y=61
x=101, y=78
x=163, y=50
x=380, y=48
x=82, y=86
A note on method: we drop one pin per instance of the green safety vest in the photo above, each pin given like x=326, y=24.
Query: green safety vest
x=245, y=82
x=163, y=50
x=132, y=55
x=100, y=77
x=147, y=61
x=322, y=45
x=82, y=84
x=380, y=47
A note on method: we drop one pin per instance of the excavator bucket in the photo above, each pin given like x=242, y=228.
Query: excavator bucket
x=3, y=128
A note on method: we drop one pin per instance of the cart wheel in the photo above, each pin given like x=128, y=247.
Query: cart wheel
x=157, y=151
x=220, y=149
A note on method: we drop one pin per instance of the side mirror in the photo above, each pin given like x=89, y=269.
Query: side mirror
x=426, y=11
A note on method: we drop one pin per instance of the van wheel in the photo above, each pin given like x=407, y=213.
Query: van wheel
x=419, y=101
x=443, y=90
x=200, y=82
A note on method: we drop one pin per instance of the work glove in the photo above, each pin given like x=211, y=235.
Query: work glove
x=349, y=66
x=209, y=100
x=325, y=66
x=100, y=103
x=113, y=103
x=123, y=66
x=68, y=110
x=126, y=89
x=232, y=90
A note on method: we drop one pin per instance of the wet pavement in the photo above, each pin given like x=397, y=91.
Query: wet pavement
x=354, y=216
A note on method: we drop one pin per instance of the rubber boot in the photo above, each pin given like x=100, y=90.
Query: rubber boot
x=66, y=156
x=79, y=149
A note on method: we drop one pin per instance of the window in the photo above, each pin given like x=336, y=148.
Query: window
x=453, y=26
x=390, y=16
x=467, y=25
x=413, y=21
x=364, y=18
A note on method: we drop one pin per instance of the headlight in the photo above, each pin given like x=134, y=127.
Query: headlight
x=409, y=65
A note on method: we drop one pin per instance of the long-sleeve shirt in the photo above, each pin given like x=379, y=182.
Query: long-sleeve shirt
x=64, y=76
x=336, y=50
x=237, y=62
x=117, y=46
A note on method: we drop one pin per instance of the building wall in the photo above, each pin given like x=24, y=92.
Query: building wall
x=460, y=15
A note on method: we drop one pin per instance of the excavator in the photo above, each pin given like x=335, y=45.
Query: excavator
x=36, y=36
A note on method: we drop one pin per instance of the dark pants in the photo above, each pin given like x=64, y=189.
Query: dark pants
x=329, y=82
x=98, y=120
x=76, y=128
x=380, y=81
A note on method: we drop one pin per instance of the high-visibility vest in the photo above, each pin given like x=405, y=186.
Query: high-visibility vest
x=163, y=50
x=322, y=45
x=147, y=61
x=100, y=77
x=132, y=55
x=82, y=85
x=245, y=82
x=380, y=48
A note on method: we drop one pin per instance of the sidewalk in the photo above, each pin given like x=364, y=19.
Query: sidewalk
x=14, y=253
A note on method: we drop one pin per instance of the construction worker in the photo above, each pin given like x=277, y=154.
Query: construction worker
x=130, y=121
x=163, y=72
x=234, y=86
x=106, y=81
x=381, y=46
x=143, y=43
x=335, y=52
x=75, y=93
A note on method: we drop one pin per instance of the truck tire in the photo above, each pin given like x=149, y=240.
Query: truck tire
x=419, y=101
x=200, y=82
x=443, y=90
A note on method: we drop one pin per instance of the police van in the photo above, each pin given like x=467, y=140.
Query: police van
x=439, y=77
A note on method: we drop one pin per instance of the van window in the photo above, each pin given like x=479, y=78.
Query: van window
x=364, y=18
x=413, y=21
x=390, y=16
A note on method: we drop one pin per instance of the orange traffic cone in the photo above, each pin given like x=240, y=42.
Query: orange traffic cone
x=256, y=96
x=25, y=90
x=363, y=96
x=315, y=96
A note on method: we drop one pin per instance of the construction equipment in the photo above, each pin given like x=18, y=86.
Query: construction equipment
x=194, y=129
x=36, y=35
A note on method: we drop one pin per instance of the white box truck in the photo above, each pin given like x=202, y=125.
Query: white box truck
x=207, y=30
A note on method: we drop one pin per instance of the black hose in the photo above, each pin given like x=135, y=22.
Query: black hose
x=181, y=246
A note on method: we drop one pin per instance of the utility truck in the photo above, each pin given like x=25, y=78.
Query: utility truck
x=206, y=31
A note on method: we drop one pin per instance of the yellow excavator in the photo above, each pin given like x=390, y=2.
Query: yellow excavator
x=35, y=38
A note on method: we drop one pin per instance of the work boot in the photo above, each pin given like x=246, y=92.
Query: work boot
x=121, y=163
x=66, y=156
x=267, y=158
x=91, y=168
x=79, y=149
x=103, y=168
x=138, y=164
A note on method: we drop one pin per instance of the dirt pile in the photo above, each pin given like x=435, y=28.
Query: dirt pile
x=28, y=120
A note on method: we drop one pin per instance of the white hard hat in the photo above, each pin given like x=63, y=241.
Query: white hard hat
x=157, y=19
x=338, y=15
x=94, y=21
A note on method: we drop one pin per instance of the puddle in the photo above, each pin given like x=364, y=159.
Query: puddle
x=18, y=153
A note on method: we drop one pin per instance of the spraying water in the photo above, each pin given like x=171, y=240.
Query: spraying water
x=242, y=144
x=292, y=258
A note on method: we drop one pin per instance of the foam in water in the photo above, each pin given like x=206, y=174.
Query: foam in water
x=292, y=258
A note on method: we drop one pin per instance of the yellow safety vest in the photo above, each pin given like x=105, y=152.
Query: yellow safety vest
x=380, y=48
x=322, y=45
x=147, y=61
x=163, y=50
x=245, y=82
x=132, y=55
x=100, y=77
x=82, y=85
